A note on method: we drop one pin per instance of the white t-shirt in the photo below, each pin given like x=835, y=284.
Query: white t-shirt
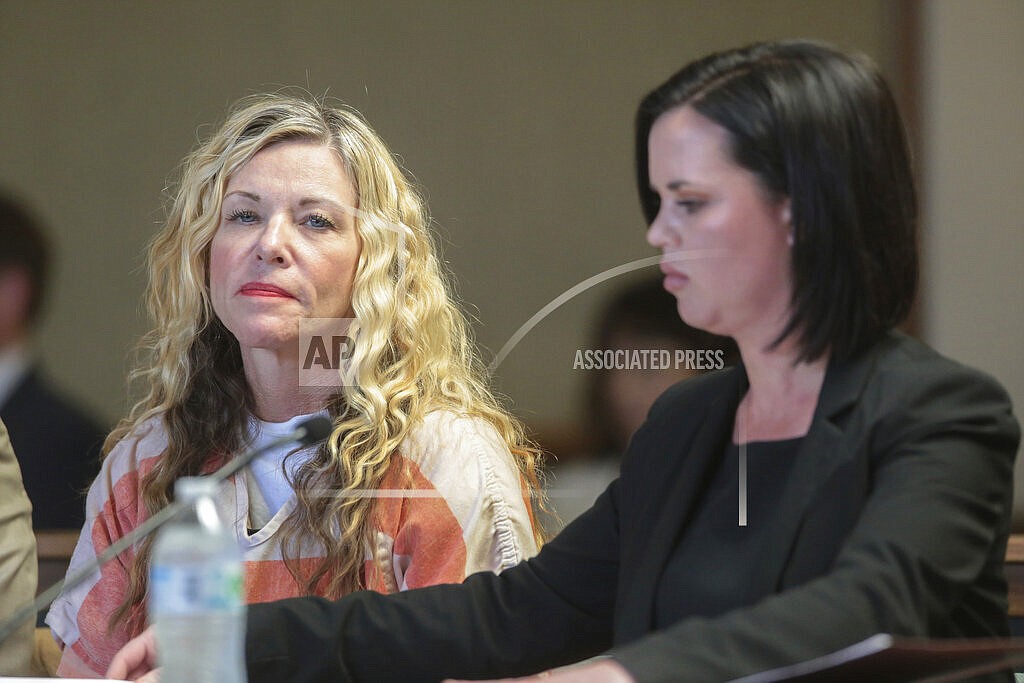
x=269, y=487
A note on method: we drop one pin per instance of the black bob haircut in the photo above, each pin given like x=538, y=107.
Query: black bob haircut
x=822, y=128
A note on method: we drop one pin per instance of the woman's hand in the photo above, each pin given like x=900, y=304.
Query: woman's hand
x=603, y=671
x=136, y=661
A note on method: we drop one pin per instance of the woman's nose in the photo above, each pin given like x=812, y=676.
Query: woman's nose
x=659, y=234
x=273, y=243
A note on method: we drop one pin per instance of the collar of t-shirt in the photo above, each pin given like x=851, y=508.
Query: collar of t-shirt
x=267, y=471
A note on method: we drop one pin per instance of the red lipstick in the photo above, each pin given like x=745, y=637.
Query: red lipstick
x=264, y=289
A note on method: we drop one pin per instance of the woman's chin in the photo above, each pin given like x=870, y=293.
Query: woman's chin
x=694, y=316
x=278, y=344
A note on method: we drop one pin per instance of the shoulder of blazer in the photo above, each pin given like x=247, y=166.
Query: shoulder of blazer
x=901, y=391
x=912, y=361
x=895, y=370
x=912, y=390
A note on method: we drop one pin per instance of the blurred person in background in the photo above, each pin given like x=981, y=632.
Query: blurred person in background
x=57, y=441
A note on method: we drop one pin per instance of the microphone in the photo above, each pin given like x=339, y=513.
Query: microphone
x=306, y=433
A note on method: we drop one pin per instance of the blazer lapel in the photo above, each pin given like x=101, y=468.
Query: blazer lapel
x=689, y=480
x=822, y=450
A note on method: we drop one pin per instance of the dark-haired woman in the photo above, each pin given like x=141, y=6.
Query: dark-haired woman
x=843, y=480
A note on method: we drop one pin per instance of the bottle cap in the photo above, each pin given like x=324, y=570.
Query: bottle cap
x=189, y=488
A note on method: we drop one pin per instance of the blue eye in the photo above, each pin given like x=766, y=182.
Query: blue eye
x=242, y=216
x=318, y=220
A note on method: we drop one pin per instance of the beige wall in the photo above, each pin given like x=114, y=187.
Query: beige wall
x=516, y=119
x=974, y=183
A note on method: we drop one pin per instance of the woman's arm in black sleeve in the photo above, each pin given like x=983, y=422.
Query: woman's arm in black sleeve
x=553, y=609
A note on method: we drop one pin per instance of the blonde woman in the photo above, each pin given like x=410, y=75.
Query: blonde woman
x=295, y=210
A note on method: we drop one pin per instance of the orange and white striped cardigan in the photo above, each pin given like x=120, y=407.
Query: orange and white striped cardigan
x=451, y=504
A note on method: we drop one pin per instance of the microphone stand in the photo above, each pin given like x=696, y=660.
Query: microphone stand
x=309, y=432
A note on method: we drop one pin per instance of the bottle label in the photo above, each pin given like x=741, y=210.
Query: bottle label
x=185, y=588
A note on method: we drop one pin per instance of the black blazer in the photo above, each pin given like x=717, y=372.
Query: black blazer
x=895, y=519
x=58, y=448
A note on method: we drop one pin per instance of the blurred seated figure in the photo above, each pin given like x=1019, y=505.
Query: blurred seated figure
x=17, y=562
x=57, y=442
x=641, y=320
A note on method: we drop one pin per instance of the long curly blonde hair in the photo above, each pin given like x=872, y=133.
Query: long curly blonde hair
x=414, y=352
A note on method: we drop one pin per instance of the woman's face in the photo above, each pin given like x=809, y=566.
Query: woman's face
x=286, y=247
x=743, y=289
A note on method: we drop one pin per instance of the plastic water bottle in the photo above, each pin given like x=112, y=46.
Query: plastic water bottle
x=196, y=592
